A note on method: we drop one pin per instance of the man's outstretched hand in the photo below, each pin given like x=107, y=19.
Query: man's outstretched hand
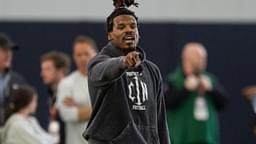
x=132, y=60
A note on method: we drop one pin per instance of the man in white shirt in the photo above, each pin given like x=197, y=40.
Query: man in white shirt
x=73, y=99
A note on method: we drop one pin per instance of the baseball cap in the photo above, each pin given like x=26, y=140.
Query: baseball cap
x=6, y=42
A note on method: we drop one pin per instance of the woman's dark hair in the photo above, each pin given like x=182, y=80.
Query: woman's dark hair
x=22, y=97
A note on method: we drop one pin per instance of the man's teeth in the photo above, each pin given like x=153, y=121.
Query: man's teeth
x=129, y=38
x=129, y=41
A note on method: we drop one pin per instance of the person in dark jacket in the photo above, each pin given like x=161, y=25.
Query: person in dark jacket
x=125, y=88
x=9, y=79
x=55, y=66
x=193, y=99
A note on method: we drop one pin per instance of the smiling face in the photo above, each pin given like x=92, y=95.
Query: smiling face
x=125, y=33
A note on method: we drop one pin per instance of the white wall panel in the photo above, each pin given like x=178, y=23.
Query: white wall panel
x=150, y=10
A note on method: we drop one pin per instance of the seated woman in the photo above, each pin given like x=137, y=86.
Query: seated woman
x=21, y=127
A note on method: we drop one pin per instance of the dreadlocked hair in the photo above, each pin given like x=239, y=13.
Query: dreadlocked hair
x=124, y=3
x=121, y=8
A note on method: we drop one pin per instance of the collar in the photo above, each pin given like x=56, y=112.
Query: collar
x=116, y=52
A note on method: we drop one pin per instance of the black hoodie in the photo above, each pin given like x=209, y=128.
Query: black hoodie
x=128, y=105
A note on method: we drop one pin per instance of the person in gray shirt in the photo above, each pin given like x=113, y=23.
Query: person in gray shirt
x=21, y=127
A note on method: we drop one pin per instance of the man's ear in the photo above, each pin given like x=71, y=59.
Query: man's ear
x=110, y=36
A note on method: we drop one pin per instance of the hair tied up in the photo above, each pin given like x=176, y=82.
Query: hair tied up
x=124, y=3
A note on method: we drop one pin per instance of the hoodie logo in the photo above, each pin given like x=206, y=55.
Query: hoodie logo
x=138, y=92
